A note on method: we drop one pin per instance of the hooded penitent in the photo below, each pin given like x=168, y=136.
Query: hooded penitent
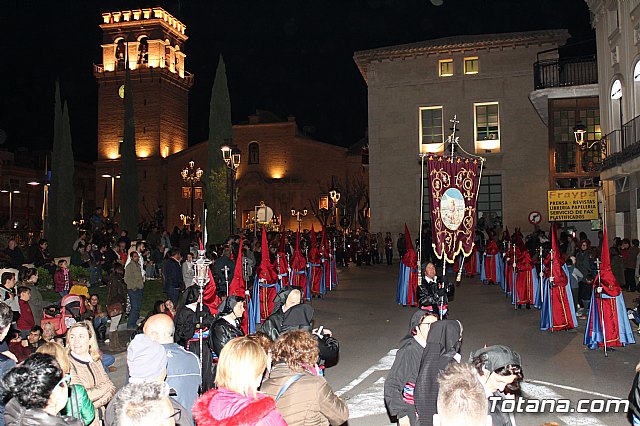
x=238, y=287
x=607, y=313
x=314, y=279
x=299, y=269
x=558, y=310
x=210, y=296
x=408, y=276
x=265, y=287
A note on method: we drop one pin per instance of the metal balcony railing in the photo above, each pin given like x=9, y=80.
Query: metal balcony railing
x=622, y=145
x=565, y=72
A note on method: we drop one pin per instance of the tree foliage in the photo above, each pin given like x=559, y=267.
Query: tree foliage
x=60, y=230
x=220, y=133
x=129, y=182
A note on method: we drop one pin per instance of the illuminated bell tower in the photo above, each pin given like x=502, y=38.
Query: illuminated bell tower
x=152, y=41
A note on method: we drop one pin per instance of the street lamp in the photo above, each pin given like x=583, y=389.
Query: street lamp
x=10, y=192
x=334, y=194
x=113, y=185
x=297, y=213
x=231, y=157
x=191, y=176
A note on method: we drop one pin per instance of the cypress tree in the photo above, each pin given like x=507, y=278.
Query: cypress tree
x=67, y=232
x=60, y=230
x=220, y=133
x=129, y=182
x=51, y=227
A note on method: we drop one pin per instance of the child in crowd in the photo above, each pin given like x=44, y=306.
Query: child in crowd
x=63, y=279
x=25, y=322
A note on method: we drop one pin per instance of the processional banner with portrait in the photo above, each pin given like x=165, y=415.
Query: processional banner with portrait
x=454, y=183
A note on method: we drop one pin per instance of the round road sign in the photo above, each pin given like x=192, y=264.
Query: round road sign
x=535, y=217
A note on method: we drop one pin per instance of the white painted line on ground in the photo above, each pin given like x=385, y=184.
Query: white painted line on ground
x=369, y=402
x=571, y=388
x=543, y=392
x=384, y=363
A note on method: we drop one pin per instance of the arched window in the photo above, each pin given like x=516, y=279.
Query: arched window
x=120, y=54
x=143, y=51
x=254, y=153
x=617, y=119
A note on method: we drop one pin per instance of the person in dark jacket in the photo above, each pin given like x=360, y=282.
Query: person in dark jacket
x=14, y=253
x=443, y=346
x=187, y=325
x=288, y=297
x=300, y=317
x=227, y=325
x=434, y=292
x=401, y=381
x=37, y=391
x=172, y=275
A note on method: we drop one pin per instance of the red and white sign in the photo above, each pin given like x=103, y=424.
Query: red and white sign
x=535, y=217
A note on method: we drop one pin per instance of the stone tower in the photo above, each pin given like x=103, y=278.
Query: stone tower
x=152, y=41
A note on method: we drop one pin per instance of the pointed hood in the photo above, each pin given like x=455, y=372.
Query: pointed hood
x=410, y=258
x=298, y=262
x=210, y=296
x=314, y=253
x=559, y=277
x=519, y=240
x=266, y=272
x=324, y=243
x=238, y=286
x=407, y=236
x=609, y=283
x=507, y=236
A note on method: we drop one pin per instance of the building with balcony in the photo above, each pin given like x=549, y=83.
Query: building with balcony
x=486, y=81
x=618, y=47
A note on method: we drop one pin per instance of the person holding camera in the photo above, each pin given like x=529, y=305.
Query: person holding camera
x=435, y=292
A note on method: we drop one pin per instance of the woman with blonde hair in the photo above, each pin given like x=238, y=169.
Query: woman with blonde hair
x=302, y=396
x=241, y=365
x=86, y=365
x=79, y=406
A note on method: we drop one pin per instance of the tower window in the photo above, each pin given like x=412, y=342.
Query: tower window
x=254, y=153
x=120, y=54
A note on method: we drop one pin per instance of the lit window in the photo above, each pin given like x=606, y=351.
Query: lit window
x=471, y=65
x=431, y=134
x=445, y=67
x=487, y=124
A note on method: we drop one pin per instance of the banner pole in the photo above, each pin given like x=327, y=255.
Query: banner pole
x=422, y=155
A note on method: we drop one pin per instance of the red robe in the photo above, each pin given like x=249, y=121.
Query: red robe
x=490, y=262
x=410, y=259
x=470, y=266
x=282, y=267
x=524, y=280
x=314, y=259
x=609, y=313
x=562, y=318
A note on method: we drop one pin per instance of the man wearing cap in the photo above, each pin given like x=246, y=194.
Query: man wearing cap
x=147, y=362
x=498, y=367
x=183, y=367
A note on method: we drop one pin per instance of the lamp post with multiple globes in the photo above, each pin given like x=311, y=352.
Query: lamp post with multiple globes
x=297, y=214
x=191, y=175
x=231, y=157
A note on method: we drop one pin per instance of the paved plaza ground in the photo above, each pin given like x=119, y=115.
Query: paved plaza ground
x=364, y=317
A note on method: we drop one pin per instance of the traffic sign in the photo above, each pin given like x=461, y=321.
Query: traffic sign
x=535, y=217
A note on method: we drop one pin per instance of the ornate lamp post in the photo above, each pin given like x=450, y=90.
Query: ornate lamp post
x=334, y=194
x=297, y=213
x=231, y=157
x=191, y=176
x=201, y=279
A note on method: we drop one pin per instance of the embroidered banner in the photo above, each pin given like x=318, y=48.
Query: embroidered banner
x=454, y=191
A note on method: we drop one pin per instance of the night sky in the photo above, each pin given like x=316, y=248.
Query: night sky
x=291, y=57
